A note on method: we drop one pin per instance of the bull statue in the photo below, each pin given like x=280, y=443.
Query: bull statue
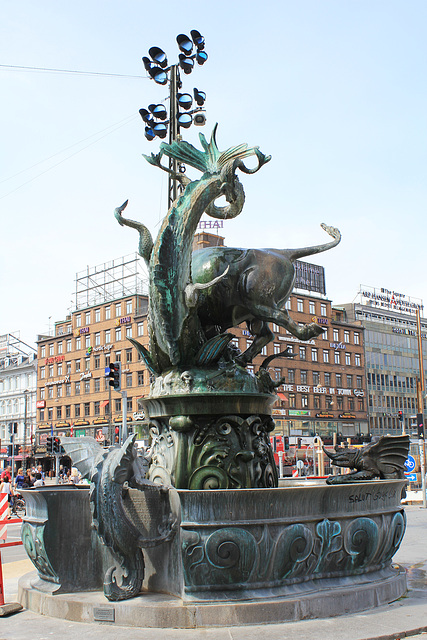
x=231, y=285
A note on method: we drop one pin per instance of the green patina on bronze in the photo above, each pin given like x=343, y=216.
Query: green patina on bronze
x=201, y=379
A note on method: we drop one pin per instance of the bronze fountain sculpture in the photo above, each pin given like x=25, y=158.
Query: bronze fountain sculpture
x=204, y=503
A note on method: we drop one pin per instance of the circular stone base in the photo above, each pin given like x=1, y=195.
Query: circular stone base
x=153, y=610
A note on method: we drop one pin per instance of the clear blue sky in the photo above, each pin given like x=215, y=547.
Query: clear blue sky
x=335, y=91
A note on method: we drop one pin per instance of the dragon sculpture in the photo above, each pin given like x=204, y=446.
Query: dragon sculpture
x=383, y=459
x=111, y=473
x=196, y=297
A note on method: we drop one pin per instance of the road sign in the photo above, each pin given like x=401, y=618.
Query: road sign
x=300, y=464
x=410, y=463
x=411, y=477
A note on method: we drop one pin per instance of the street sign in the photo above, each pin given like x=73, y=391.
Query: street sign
x=410, y=463
x=411, y=477
x=300, y=464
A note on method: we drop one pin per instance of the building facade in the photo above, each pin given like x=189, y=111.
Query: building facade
x=391, y=354
x=18, y=383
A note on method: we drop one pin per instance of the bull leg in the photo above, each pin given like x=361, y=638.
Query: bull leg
x=262, y=336
x=282, y=318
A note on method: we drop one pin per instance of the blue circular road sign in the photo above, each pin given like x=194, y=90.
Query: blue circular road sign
x=410, y=463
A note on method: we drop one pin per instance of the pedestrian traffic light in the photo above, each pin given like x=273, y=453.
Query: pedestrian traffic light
x=400, y=414
x=420, y=425
x=115, y=376
x=286, y=443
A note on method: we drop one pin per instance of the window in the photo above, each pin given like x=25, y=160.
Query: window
x=59, y=347
x=277, y=373
x=59, y=369
x=128, y=307
x=351, y=404
x=87, y=317
x=128, y=379
x=42, y=393
x=50, y=392
x=335, y=335
x=58, y=413
x=128, y=355
x=292, y=401
x=248, y=343
x=78, y=320
x=302, y=352
x=291, y=376
x=304, y=401
x=348, y=359
x=68, y=389
x=325, y=355
x=97, y=385
x=129, y=331
x=50, y=413
x=311, y=307
x=338, y=380
x=316, y=400
x=356, y=338
x=288, y=304
x=263, y=351
x=118, y=309
x=276, y=348
x=140, y=328
x=50, y=370
x=117, y=404
x=77, y=411
x=129, y=405
x=118, y=356
x=276, y=328
x=68, y=368
x=346, y=336
x=349, y=381
x=329, y=402
x=51, y=349
x=108, y=336
x=337, y=357
x=97, y=362
x=87, y=386
x=107, y=360
x=357, y=360
x=78, y=343
x=77, y=366
x=96, y=408
x=359, y=382
x=327, y=379
x=324, y=335
x=140, y=378
x=43, y=351
x=300, y=305
x=97, y=339
x=97, y=315
x=303, y=377
x=107, y=313
x=87, y=409
x=77, y=388
x=118, y=333
x=322, y=309
x=87, y=342
x=68, y=347
x=316, y=378
x=314, y=355
x=339, y=402
x=87, y=364
x=68, y=411
x=42, y=372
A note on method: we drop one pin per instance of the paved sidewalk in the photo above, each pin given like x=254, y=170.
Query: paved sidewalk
x=405, y=618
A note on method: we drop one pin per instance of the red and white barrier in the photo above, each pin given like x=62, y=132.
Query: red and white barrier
x=4, y=505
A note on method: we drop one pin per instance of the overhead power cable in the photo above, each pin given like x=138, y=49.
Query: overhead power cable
x=72, y=71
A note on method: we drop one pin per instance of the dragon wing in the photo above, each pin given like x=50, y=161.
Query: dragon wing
x=390, y=453
x=83, y=453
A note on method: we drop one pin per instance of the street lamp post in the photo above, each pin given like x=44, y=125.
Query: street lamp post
x=155, y=117
x=24, y=448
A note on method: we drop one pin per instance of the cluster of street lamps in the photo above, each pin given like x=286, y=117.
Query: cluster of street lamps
x=182, y=114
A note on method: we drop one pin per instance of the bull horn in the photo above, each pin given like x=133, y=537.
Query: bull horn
x=192, y=290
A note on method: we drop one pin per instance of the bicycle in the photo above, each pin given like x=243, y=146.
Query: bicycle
x=18, y=506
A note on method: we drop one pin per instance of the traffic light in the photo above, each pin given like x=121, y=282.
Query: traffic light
x=57, y=445
x=286, y=443
x=49, y=444
x=115, y=376
x=420, y=425
x=400, y=414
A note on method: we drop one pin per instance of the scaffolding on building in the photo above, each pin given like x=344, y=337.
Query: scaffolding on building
x=13, y=351
x=110, y=281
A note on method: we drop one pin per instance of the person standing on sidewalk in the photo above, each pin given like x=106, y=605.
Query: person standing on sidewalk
x=6, y=487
